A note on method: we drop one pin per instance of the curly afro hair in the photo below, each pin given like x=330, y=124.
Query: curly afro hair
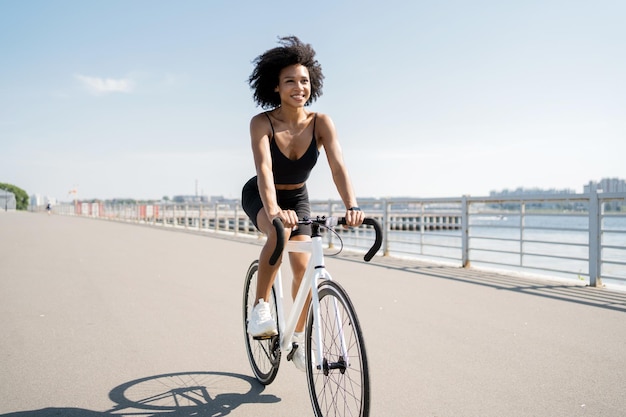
x=264, y=78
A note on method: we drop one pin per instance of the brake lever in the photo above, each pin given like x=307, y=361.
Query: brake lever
x=331, y=222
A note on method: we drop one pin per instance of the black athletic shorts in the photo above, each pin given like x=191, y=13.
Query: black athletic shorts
x=296, y=200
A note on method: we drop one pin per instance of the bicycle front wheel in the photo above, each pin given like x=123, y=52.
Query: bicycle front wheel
x=339, y=386
x=264, y=354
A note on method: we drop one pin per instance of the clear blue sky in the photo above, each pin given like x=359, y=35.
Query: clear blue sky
x=139, y=99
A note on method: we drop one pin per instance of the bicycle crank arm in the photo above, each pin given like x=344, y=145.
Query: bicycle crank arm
x=293, y=351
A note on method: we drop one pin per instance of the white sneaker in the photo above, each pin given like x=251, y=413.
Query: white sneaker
x=261, y=323
x=299, y=356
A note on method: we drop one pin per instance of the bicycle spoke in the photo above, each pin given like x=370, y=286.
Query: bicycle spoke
x=340, y=386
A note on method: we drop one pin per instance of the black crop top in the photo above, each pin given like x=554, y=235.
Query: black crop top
x=288, y=171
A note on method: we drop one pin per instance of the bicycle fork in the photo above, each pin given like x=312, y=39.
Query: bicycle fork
x=310, y=282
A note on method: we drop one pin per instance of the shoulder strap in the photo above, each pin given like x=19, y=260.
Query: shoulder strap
x=271, y=125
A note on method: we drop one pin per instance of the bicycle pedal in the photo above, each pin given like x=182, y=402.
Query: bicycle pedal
x=263, y=337
x=293, y=351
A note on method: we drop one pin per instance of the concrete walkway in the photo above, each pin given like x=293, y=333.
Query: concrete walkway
x=100, y=318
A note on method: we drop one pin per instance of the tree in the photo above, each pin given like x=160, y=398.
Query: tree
x=21, y=197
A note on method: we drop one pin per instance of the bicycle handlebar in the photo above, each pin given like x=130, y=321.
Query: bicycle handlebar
x=378, y=241
x=280, y=240
x=327, y=222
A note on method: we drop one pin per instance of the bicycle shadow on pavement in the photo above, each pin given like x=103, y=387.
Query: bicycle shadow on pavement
x=198, y=394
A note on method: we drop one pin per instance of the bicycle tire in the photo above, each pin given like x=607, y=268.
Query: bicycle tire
x=264, y=354
x=339, y=386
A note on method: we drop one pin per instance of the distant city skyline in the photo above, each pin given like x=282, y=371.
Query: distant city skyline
x=604, y=185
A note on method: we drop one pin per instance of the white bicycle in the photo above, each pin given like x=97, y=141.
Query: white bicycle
x=336, y=363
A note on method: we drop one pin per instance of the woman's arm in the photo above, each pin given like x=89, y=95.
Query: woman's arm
x=259, y=134
x=328, y=137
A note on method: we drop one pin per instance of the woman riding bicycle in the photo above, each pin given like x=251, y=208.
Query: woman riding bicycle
x=285, y=144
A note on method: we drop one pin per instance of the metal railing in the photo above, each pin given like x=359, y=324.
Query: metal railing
x=574, y=236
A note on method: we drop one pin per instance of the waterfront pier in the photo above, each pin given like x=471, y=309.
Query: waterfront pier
x=103, y=319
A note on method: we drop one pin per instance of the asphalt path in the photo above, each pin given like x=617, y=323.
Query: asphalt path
x=99, y=318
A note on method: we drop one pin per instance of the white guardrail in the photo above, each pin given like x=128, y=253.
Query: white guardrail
x=572, y=236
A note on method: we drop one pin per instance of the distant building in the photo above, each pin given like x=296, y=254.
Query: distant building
x=521, y=191
x=609, y=185
x=190, y=199
x=220, y=199
x=36, y=200
x=527, y=192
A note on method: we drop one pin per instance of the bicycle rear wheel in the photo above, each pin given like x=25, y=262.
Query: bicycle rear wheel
x=340, y=385
x=264, y=354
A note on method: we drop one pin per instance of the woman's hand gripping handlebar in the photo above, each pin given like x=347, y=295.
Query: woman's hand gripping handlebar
x=328, y=222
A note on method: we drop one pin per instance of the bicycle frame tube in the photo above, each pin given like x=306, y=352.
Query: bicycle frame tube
x=314, y=272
